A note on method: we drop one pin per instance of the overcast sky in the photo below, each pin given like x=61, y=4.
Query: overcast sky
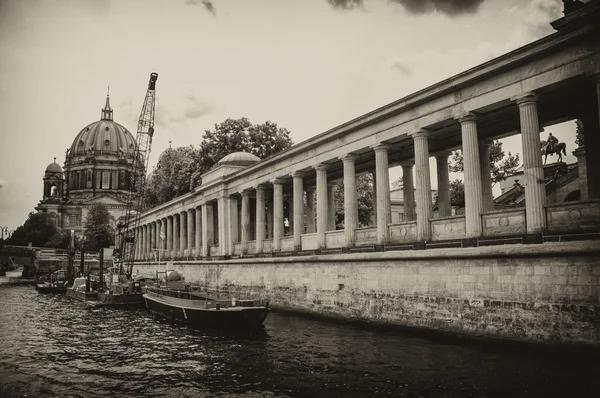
x=308, y=65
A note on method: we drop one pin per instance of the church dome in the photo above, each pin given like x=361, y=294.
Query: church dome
x=54, y=167
x=104, y=137
x=239, y=159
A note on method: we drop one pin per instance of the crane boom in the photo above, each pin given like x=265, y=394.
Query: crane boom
x=143, y=140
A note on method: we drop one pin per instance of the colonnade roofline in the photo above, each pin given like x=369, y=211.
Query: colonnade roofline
x=453, y=83
x=485, y=89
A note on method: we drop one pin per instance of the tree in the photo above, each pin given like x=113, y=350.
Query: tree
x=457, y=193
x=397, y=183
x=179, y=170
x=579, y=133
x=60, y=240
x=98, y=230
x=501, y=164
x=37, y=229
x=175, y=174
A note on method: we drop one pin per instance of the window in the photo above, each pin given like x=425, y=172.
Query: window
x=89, y=178
x=77, y=180
x=98, y=179
x=106, y=180
x=114, y=184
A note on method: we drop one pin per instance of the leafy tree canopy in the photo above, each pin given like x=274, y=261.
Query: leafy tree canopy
x=37, y=229
x=457, y=193
x=179, y=170
x=99, y=232
x=364, y=193
x=579, y=133
x=502, y=165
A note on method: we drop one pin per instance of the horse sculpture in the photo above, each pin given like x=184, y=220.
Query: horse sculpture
x=559, y=149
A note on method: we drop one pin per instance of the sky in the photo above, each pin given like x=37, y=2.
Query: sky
x=307, y=65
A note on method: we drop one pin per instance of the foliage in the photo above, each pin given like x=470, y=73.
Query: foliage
x=262, y=140
x=501, y=164
x=175, y=174
x=98, y=230
x=397, y=183
x=579, y=133
x=364, y=187
x=457, y=193
x=179, y=170
x=60, y=240
x=37, y=230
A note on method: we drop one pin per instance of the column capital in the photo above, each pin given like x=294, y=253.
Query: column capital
x=525, y=98
x=331, y=183
x=297, y=174
x=485, y=143
x=321, y=166
x=467, y=117
x=277, y=181
x=407, y=163
x=183, y=212
x=349, y=157
x=380, y=147
x=310, y=189
x=246, y=193
x=423, y=133
x=442, y=154
x=260, y=188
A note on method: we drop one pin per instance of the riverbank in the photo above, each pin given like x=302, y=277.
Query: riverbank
x=533, y=293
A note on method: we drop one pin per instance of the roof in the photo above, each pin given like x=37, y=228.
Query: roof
x=239, y=159
x=54, y=168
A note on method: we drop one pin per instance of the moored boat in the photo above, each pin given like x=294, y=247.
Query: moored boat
x=57, y=283
x=182, y=304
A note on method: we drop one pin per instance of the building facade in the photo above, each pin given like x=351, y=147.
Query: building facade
x=98, y=168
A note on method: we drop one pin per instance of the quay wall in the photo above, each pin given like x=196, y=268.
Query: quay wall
x=540, y=293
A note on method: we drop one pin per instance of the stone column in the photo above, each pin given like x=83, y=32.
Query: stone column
x=198, y=230
x=277, y=214
x=224, y=225
x=245, y=220
x=473, y=190
x=260, y=218
x=160, y=243
x=182, y=232
x=176, y=237
x=384, y=215
x=331, y=206
x=423, y=184
x=486, y=175
x=190, y=232
x=298, y=208
x=269, y=200
x=350, y=199
x=235, y=220
x=408, y=190
x=533, y=170
x=310, y=210
x=148, y=238
x=322, y=214
x=204, y=221
x=374, y=176
x=144, y=240
x=443, y=198
x=152, y=239
x=169, y=234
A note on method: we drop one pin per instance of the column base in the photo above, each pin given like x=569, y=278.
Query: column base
x=420, y=245
x=533, y=238
x=469, y=242
x=346, y=249
x=379, y=247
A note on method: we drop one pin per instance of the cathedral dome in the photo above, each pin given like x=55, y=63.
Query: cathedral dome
x=240, y=159
x=54, y=167
x=104, y=137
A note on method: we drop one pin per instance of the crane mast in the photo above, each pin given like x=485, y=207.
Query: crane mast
x=134, y=203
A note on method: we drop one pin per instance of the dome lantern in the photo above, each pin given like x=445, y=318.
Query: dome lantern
x=107, y=112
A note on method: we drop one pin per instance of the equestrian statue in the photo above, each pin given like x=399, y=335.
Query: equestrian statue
x=553, y=147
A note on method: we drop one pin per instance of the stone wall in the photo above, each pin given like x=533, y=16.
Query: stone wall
x=543, y=293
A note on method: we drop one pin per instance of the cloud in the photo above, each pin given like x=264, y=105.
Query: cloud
x=2, y=183
x=402, y=67
x=448, y=7
x=346, y=4
x=536, y=16
x=208, y=5
x=192, y=108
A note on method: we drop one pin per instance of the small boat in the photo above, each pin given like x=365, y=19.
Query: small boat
x=56, y=284
x=179, y=302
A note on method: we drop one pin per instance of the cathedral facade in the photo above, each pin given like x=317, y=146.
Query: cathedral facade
x=98, y=168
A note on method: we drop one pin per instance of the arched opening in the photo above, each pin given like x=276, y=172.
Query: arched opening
x=572, y=196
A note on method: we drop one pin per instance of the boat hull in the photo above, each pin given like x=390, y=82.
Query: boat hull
x=191, y=312
x=42, y=288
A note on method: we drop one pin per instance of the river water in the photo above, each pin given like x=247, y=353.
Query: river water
x=51, y=346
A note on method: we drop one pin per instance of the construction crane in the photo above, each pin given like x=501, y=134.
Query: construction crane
x=131, y=220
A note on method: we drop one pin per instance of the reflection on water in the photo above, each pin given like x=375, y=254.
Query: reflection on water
x=51, y=346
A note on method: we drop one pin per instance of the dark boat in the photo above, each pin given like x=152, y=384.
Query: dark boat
x=182, y=304
x=56, y=284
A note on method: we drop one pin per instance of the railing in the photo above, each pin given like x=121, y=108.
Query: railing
x=448, y=227
x=365, y=236
x=335, y=239
x=309, y=241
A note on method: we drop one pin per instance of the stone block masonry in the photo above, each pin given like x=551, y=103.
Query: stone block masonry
x=542, y=293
